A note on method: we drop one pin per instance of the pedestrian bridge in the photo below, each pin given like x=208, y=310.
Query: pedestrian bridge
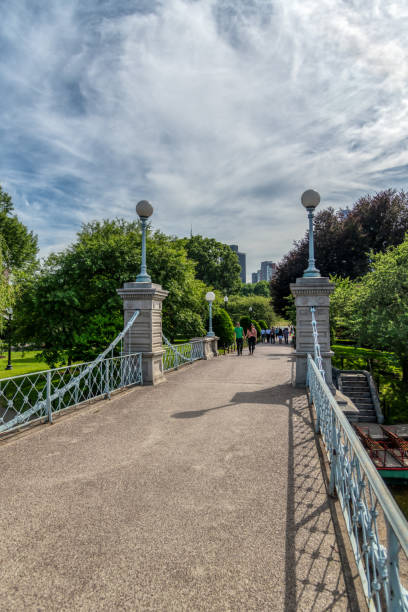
x=205, y=492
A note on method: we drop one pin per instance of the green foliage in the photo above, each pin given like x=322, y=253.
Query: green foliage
x=216, y=264
x=261, y=288
x=223, y=327
x=258, y=328
x=71, y=307
x=290, y=310
x=343, y=240
x=386, y=371
x=245, y=323
x=263, y=324
x=238, y=306
x=373, y=312
x=247, y=289
x=381, y=305
x=18, y=245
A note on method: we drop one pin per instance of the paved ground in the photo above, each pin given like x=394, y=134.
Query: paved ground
x=204, y=493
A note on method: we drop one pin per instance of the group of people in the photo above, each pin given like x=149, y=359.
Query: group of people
x=276, y=334
x=250, y=335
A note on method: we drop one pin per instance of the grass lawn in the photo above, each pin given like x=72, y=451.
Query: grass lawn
x=21, y=365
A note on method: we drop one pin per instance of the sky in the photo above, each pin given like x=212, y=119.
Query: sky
x=219, y=112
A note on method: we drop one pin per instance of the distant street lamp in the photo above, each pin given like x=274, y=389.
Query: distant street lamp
x=250, y=311
x=225, y=301
x=310, y=199
x=145, y=210
x=210, y=297
x=9, y=312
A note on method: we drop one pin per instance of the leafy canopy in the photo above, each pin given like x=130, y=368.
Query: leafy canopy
x=216, y=264
x=71, y=307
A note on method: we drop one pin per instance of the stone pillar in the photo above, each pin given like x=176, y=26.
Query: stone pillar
x=145, y=335
x=210, y=346
x=314, y=291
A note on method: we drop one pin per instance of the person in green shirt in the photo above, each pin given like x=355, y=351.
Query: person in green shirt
x=239, y=337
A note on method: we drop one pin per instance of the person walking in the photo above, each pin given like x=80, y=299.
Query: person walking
x=286, y=335
x=280, y=335
x=251, y=336
x=239, y=337
x=268, y=335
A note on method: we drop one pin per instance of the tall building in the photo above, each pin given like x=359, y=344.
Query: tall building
x=242, y=261
x=268, y=270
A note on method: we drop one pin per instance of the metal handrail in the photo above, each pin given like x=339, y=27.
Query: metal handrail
x=390, y=508
x=361, y=492
x=44, y=404
x=195, y=350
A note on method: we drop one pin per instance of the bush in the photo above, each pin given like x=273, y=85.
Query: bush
x=223, y=327
x=263, y=324
x=258, y=329
x=245, y=323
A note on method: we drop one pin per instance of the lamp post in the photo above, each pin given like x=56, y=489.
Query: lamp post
x=144, y=210
x=310, y=199
x=9, y=312
x=250, y=311
x=225, y=301
x=210, y=297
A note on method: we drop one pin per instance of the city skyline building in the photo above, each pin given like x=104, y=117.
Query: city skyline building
x=266, y=272
x=242, y=261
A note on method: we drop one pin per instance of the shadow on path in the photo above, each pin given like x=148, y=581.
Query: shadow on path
x=318, y=576
x=271, y=396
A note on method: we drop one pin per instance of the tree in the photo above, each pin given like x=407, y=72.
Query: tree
x=381, y=305
x=238, y=306
x=343, y=240
x=262, y=288
x=71, y=307
x=263, y=324
x=342, y=308
x=19, y=246
x=216, y=264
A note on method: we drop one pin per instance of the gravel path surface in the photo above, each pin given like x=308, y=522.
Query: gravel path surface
x=204, y=493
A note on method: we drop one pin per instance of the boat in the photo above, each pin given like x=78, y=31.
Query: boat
x=387, y=447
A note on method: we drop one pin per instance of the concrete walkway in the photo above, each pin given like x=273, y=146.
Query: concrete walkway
x=204, y=493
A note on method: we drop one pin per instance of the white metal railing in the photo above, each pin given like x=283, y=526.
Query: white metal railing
x=29, y=397
x=176, y=355
x=377, y=529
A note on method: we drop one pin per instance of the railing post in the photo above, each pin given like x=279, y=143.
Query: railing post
x=333, y=456
x=49, y=410
x=393, y=548
x=107, y=391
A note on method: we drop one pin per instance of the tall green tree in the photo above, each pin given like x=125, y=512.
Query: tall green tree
x=238, y=306
x=19, y=245
x=71, y=307
x=381, y=305
x=216, y=264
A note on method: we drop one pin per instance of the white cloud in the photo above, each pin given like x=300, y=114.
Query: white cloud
x=221, y=112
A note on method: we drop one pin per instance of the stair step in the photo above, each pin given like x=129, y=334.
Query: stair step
x=355, y=386
x=367, y=419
